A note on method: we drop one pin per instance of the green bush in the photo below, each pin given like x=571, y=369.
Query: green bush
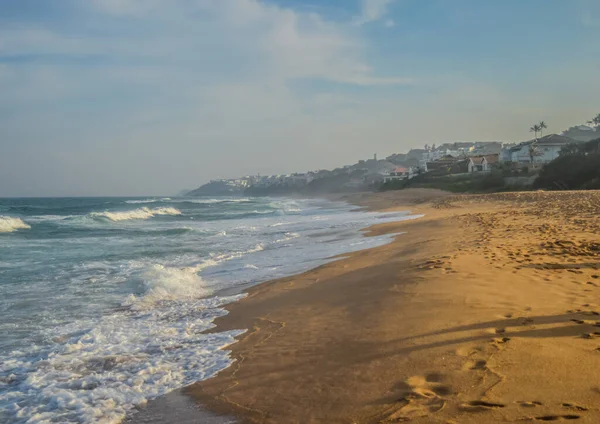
x=578, y=167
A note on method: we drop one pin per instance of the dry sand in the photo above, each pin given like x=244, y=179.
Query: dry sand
x=486, y=310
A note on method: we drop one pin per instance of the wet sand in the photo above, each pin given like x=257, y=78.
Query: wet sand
x=485, y=310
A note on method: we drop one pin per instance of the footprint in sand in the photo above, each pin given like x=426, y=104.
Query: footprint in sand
x=423, y=398
x=480, y=406
x=500, y=341
x=476, y=365
x=556, y=417
x=574, y=406
x=590, y=335
x=527, y=404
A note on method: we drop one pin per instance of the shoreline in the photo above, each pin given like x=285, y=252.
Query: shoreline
x=177, y=404
x=482, y=311
x=414, y=202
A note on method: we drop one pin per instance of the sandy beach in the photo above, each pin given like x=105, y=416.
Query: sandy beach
x=485, y=310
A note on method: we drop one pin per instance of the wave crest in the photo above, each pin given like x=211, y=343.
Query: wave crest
x=134, y=202
x=8, y=224
x=141, y=213
x=212, y=201
x=163, y=283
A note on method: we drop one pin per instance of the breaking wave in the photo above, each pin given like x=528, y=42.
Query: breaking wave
x=8, y=224
x=97, y=371
x=163, y=283
x=135, y=202
x=141, y=213
x=213, y=201
x=235, y=255
x=288, y=237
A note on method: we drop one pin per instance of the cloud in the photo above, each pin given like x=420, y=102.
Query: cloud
x=265, y=38
x=174, y=82
x=373, y=10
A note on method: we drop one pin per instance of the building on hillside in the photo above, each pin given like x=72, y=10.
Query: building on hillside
x=548, y=148
x=485, y=148
x=505, y=153
x=441, y=163
x=399, y=174
x=448, y=167
x=482, y=163
x=432, y=156
x=540, y=151
x=298, y=179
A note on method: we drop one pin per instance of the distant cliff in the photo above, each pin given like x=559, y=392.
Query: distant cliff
x=217, y=188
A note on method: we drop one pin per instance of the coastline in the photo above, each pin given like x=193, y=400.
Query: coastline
x=482, y=311
x=347, y=225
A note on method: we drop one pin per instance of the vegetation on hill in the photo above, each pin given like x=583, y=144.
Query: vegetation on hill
x=577, y=167
x=463, y=183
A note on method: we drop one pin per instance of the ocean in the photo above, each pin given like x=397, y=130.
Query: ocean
x=103, y=301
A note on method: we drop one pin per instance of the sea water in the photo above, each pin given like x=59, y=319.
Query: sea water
x=104, y=301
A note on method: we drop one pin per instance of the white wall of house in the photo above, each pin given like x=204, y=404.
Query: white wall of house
x=431, y=156
x=546, y=153
x=521, y=155
x=397, y=176
x=482, y=166
x=453, y=153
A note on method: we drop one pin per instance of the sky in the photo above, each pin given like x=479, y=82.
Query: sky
x=149, y=97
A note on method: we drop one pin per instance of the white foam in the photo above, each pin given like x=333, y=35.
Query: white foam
x=235, y=255
x=102, y=365
x=288, y=237
x=253, y=212
x=213, y=201
x=141, y=213
x=163, y=283
x=8, y=224
x=44, y=218
x=110, y=366
x=135, y=202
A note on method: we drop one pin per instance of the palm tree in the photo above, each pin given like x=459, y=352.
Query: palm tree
x=532, y=151
x=542, y=125
x=535, y=129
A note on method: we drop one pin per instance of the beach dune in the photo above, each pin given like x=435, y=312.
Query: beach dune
x=487, y=309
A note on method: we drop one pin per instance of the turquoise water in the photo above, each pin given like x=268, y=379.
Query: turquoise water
x=103, y=300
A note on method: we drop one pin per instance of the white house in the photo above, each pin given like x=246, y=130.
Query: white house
x=543, y=150
x=548, y=148
x=482, y=163
x=399, y=174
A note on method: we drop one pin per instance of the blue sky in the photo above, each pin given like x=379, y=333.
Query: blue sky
x=135, y=97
